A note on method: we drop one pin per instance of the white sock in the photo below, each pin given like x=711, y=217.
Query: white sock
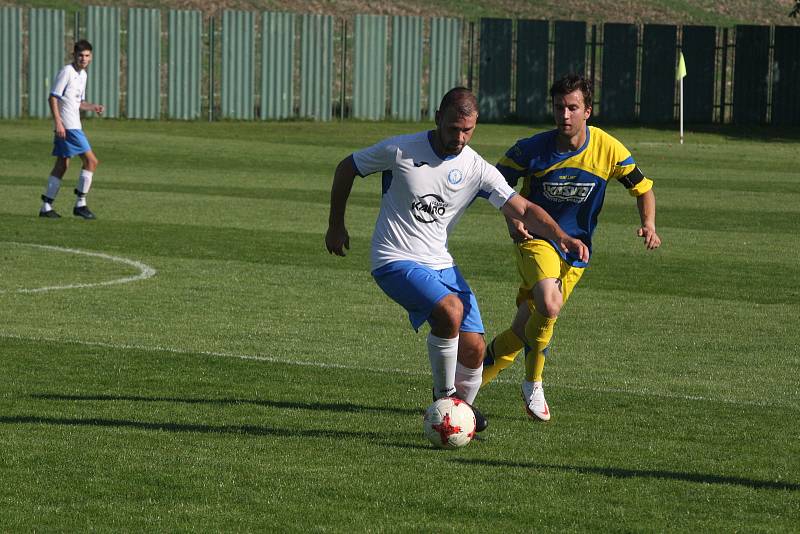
x=84, y=184
x=468, y=382
x=53, y=185
x=443, y=355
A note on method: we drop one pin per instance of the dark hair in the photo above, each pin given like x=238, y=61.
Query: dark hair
x=82, y=46
x=573, y=82
x=460, y=99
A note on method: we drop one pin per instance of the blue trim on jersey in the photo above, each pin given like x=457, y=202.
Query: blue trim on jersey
x=443, y=157
x=355, y=167
x=386, y=181
x=627, y=161
x=418, y=288
x=74, y=144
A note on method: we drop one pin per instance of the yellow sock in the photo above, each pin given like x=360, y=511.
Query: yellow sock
x=504, y=349
x=538, y=331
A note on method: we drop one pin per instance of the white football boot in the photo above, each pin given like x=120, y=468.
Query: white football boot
x=535, y=404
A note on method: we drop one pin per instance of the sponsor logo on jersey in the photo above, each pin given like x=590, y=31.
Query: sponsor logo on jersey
x=428, y=208
x=567, y=192
x=455, y=177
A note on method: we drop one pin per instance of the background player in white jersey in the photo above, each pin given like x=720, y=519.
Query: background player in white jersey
x=429, y=180
x=67, y=100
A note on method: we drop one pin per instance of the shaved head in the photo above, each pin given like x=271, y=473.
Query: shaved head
x=461, y=100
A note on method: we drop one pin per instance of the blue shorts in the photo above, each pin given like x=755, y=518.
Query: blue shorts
x=418, y=288
x=74, y=144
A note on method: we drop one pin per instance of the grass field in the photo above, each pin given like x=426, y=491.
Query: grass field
x=255, y=383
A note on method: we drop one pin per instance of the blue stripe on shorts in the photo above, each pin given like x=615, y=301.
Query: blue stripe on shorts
x=74, y=144
x=418, y=288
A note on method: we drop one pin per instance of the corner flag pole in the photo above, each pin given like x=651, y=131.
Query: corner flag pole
x=680, y=74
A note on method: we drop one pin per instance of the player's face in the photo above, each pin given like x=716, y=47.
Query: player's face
x=83, y=58
x=570, y=113
x=454, y=130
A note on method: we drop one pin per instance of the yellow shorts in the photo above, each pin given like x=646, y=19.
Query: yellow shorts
x=537, y=260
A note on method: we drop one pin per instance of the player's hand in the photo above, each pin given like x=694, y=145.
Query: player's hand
x=517, y=230
x=336, y=240
x=61, y=132
x=651, y=239
x=99, y=108
x=575, y=246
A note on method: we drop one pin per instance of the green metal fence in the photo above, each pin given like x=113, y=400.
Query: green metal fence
x=245, y=66
x=184, y=72
x=10, y=62
x=144, y=64
x=103, y=31
x=369, y=66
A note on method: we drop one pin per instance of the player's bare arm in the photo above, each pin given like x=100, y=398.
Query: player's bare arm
x=541, y=223
x=647, y=213
x=337, y=238
x=59, y=126
x=96, y=108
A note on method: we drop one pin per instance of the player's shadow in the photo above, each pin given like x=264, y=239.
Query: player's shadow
x=345, y=407
x=616, y=472
x=249, y=430
x=410, y=438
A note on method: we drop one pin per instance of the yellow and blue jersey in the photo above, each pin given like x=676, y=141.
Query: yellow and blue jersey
x=571, y=186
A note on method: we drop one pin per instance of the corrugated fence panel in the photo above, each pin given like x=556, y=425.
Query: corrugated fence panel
x=144, y=63
x=185, y=29
x=238, y=64
x=316, y=66
x=618, y=96
x=369, y=67
x=445, y=69
x=406, y=68
x=102, y=86
x=277, y=65
x=786, y=76
x=659, y=60
x=569, y=55
x=750, y=79
x=46, y=56
x=699, y=52
x=10, y=62
x=494, y=89
x=532, y=69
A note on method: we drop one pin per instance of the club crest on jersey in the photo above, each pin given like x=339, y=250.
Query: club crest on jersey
x=567, y=192
x=428, y=208
x=455, y=177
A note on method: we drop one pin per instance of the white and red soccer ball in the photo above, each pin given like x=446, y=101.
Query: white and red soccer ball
x=449, y=423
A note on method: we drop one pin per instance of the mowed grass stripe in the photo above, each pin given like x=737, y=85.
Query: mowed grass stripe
x=61, y=344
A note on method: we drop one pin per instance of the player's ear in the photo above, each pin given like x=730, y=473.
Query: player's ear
x=437, y=116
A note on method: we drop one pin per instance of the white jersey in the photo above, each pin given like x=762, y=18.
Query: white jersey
x=424, y=195
x=70, y=89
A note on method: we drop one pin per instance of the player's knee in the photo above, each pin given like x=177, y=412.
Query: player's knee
x=552, y=307
x=447, y=315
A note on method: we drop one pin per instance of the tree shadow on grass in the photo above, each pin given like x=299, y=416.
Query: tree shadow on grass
x=295, y=405
x=615, y=472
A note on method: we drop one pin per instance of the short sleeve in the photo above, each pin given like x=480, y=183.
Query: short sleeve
x=379, y=157
x=494, y=187
x=60, y=83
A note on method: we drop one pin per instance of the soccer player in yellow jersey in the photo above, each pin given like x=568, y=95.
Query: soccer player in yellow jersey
x=565, y=171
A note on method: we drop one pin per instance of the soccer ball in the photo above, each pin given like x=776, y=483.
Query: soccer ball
x=449, y=423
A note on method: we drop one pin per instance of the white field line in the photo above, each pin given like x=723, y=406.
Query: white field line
x=380, y=370
x=145, y=271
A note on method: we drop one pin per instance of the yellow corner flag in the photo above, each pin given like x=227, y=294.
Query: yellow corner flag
x=681, y=68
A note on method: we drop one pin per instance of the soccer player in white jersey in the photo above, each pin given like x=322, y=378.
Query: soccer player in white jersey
x=429, y=180
x=67, y=99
